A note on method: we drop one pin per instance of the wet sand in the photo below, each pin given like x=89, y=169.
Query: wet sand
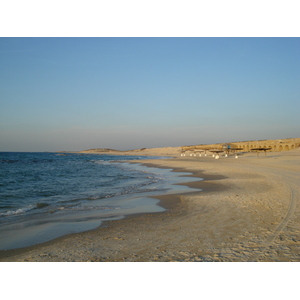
x=247, y=210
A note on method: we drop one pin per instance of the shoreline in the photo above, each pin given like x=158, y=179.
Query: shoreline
x=167, y=201
x=170, y=202
x=137, y=199
x=247, y=210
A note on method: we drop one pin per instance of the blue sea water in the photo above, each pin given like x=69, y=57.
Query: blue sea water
x=46, y=195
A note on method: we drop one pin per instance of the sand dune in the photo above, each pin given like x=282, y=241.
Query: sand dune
x=141, y=152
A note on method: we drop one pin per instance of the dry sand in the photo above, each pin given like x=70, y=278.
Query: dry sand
x=248, y=210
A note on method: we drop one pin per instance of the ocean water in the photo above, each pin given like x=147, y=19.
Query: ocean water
x=47, y=195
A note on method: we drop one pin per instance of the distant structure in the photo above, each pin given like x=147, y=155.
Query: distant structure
x=274, y=145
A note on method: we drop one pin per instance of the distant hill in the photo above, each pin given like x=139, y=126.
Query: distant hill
x=99, y=150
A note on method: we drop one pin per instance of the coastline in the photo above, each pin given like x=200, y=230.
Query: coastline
x=247, y=210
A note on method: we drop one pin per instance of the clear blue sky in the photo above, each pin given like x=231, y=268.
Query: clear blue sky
x=129, y=93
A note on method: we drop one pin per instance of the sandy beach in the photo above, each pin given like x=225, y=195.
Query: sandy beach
x=246, y=210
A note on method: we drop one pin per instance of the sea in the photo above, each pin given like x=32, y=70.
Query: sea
x=47, y=195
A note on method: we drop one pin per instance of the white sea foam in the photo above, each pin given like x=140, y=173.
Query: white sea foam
x=17, y=211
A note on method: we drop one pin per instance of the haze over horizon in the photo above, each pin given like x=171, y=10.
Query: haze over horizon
x=65, y=94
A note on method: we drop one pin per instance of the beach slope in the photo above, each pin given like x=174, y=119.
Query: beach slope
x=247, y=210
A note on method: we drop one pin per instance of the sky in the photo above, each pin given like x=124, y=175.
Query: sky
x=64, y=94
